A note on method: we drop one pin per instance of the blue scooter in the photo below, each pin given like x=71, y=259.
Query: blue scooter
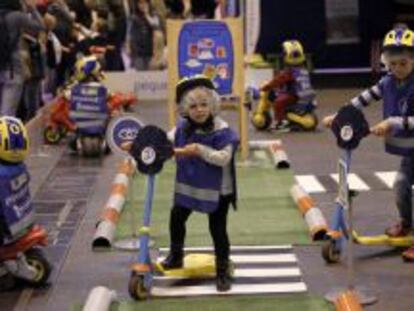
x=349, y=128
x=150, y=150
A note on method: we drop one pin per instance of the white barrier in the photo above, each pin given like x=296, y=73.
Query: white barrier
x=105, y=230
x=99, y=299
x=313, y=216
x=274, y=147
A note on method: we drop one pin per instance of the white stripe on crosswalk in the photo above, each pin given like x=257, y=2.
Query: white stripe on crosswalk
x=236, y=289
x=387, y=178
x=263, y=258
x=235, y=248
x=246, y=273
x=267, y=272
x=354, y=181
x=310, y=183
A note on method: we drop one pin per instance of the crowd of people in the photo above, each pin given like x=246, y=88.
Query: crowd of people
x=40, y=41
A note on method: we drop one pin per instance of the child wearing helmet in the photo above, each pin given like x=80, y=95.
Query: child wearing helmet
x=396, y=89
x=205, y=179
x=87, y=100
x=291, y=85
x=16, y=212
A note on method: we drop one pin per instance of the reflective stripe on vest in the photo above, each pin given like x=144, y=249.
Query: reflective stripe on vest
x=22, y=224
x=400, y=142
x=89, y=115
x=197, y=193
x=88, y=124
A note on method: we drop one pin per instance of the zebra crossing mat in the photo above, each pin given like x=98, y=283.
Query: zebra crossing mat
x=258, y=270
x=359, y=182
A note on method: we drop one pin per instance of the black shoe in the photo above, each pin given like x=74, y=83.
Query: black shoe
x=173, y=261
x=7, y=282
x=223, y=279
x=223, y=283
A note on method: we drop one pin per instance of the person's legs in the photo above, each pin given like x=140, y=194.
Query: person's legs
x=218, y=230
x=403, y=192
x=280, y=104
x=141, y=63
x=32, y=97
x=11, y=94
x=178, y=218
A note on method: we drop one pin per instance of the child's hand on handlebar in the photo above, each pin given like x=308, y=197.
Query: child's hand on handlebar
x=327, y=121
x=187, y=151
x=381, y=129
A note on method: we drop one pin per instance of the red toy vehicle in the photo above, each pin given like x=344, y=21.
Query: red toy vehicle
x=24, y=258
x=59, y=123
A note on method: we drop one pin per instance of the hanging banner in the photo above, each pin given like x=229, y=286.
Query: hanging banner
x=342, y=21
x=252, y=24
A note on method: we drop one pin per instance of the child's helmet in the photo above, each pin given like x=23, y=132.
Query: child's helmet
x=293, y=53
x=14, y=141
x=399, y=39
x=88, y=67
x=187, y=84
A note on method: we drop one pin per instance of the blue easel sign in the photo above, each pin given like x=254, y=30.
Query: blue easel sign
x=121, y=130
x=206, y=47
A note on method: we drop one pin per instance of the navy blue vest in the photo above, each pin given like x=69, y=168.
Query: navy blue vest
x=302, y=86
x=88, y=107
x=198, y=183
x=398, y=101
x=15, y=201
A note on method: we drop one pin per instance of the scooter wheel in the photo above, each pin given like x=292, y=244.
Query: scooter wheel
x=330, y=253
x=262, y=121
x=136, y=287
x=52, y=135
x=91, y=146
x=36, y=259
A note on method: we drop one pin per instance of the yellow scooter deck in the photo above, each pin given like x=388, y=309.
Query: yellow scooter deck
x=383, y=239
x=195, y=266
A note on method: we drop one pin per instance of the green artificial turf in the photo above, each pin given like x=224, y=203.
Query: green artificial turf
x=296, y=302
x=286, y=303
x=266, y=214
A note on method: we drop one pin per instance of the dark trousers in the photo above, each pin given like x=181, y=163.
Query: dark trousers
x=217, y=225
x=403, y=190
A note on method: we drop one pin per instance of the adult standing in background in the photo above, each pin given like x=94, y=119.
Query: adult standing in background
x=82, y=11
x=64, y=32
x=113, y=11
x=15, y=22
x=143, y=22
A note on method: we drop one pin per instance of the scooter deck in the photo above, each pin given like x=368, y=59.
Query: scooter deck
x=383, y=239
x=195, y=266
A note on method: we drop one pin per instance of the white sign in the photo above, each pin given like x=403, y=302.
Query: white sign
x=146, y=85
x=121, y=130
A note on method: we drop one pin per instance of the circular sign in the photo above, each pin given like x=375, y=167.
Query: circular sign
x=148, y=155
x=122, y=129
x=347, y=133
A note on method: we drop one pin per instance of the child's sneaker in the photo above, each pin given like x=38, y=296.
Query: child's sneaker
x=397, y=230
x=408, y=255
x=174, y=260
x=283, y=126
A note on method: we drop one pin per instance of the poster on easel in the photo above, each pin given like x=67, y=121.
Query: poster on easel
x=213, y=48
x=206, y=47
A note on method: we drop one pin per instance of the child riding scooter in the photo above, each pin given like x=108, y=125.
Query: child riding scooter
x=397, y=91
x=21, y=255
x=289, y=93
